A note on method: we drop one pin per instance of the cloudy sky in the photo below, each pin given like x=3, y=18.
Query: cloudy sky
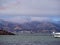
x=22, y=9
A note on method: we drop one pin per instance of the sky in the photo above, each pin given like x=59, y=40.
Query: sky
x=18, y=10
x=30, y=7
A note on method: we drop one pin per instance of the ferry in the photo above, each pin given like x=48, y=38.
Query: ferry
x=56, y=34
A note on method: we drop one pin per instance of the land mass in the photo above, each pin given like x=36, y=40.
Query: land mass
x=3, y=32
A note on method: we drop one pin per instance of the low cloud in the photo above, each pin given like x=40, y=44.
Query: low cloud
x=16, y=19
x=40, y=18
x=23, y=19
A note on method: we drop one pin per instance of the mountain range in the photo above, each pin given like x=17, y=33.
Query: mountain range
x=34, y=26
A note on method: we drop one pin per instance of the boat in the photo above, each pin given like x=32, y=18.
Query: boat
x=56, y=34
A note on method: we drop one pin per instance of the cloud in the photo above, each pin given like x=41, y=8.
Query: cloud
x=40, y=18
x=16, y=19
x=38, y=7
x=23, y=19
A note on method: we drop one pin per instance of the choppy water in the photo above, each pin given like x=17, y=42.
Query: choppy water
x=29, y=40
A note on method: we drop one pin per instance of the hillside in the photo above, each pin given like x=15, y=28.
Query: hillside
x=3, y=32
x=41, y=26
x=33, y=26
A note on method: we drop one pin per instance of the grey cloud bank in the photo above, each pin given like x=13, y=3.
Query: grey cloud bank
x=34, y=7
x=29, y=10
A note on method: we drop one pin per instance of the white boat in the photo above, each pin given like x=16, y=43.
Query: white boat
x=56, y=34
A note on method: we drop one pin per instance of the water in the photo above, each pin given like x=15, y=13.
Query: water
x=28, y=40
